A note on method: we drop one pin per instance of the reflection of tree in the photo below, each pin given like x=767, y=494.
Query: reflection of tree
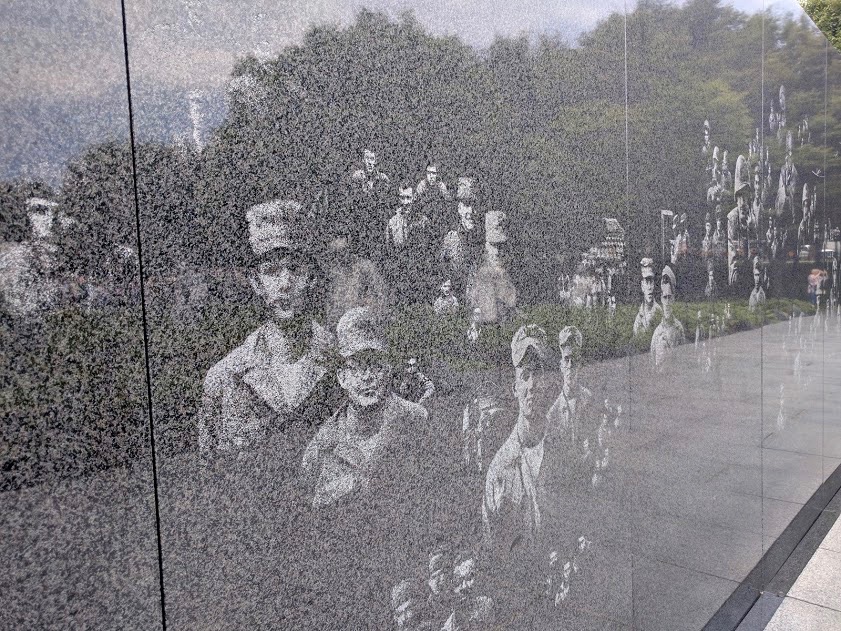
x=540, y=125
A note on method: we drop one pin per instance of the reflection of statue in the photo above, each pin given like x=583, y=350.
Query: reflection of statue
x=711, y=290
x=706, y=147
x=786, y=189
x=719, y=236
x=670, y=332
x=707, y=241
x=726, y=176
x=804, y=230
x=649, y=309
x=738, y=247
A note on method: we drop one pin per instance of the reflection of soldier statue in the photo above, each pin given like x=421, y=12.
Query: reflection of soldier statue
x=755, y=216
x=757, y=295
x=714, y=189
x=670, y=333
x=462, y=245
x=786, y=189
x=804, y=230
x=706, y=148
x=738, y=247
x=726, y=176
x=275, y=386
x=707, y=241
x=719, y=236
x=711, y=289
x=649, y=309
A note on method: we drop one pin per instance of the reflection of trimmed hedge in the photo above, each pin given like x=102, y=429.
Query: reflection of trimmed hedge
x=433, y=339
x=75, y=385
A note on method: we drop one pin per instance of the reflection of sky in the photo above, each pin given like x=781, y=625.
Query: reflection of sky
x=61, y=70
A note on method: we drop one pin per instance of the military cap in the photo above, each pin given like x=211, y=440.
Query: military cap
x=277, y=224
x=358, y=330
x=707, y=125
x=528, y=337
x=670, y=275
x=647, y=265
x=40, y=202
x=743, y=187
x=570, y=335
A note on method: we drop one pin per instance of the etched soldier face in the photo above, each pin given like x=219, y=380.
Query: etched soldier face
x=647, y=287
x=440, y=579
x=370, y=160
x=533, y=392
x=406, y=196
x=666, y=299
x=432, y=174
x=41, y=223
x=284, y=284
x=365, y=377
x=464, y=576
x=465, y=214
x=447, y=288
x=757, y=276
x=708, y=228
x=569, y=365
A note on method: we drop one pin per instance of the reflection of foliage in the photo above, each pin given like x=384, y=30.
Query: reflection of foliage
x=827, y=15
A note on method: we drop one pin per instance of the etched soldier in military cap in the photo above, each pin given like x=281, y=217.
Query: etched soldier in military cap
x=670, y=333
x=352, y=449
x=649, y=309
x=276, y=384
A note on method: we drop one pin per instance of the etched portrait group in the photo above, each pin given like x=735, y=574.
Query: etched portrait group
x=334, y=436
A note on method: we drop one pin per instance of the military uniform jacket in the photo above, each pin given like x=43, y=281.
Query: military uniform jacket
x=258, y=392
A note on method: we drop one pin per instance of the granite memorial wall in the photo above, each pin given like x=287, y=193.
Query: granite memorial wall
x=401, y=317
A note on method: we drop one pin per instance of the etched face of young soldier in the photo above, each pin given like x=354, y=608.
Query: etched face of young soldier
x=432, y=174
x=406, y=196
x=533, y=390
x=284, y=281
x=667, y=298
x=440, y=576
x=364, y=377
x=464, y=575
x=569, y=365
x=369, y=157
x=647, y=285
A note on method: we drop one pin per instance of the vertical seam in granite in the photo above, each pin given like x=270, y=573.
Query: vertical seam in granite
x=145, y=322
x=630, y=415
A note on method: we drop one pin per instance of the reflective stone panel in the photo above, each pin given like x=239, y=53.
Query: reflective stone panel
x=77, y=508
x=388, y=352
x=694, y=125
